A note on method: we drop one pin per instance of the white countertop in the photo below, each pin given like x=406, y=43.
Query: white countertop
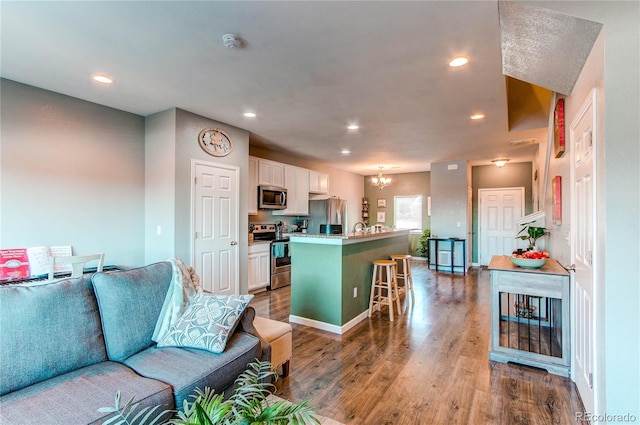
x=343, y=238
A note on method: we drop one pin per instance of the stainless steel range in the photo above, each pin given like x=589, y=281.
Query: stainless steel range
x=280, y=254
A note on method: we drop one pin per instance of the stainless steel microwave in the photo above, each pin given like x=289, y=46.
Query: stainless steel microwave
x=272, y=198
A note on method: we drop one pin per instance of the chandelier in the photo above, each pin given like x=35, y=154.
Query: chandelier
x=380, y=181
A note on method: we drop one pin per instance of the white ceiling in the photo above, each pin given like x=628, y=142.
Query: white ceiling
x=308, y=69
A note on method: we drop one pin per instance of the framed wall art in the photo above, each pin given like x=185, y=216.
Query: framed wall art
x=215, y=142
x=381, y=216
x=382, y=202
x=558, y=129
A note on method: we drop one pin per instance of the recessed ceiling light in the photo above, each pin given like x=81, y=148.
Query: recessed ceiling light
x=477, y=116
x=103, y=79
x=249, y=114
x=345, y=151
x=459, y=61
x=353, y=127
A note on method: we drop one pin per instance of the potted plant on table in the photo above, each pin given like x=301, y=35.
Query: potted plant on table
x=424, y=243
x=531, y=234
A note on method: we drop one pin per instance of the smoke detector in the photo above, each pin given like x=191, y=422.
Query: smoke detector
x=231, y=41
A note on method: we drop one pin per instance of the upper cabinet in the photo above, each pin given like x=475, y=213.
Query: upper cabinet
x=270, y=173
x=296, y=181
x=318, y=182
x=253, y=186
x=299, y=182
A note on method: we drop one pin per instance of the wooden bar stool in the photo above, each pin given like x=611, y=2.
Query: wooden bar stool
x=384, y=287
x=407, y=279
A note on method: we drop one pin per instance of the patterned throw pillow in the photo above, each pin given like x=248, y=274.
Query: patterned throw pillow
x=207, y=323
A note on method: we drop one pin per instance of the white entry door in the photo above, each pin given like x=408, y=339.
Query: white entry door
x=215, y=227
x=499, y=210
x=582, y=139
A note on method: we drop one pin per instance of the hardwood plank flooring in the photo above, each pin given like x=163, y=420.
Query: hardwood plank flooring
x=429, y=366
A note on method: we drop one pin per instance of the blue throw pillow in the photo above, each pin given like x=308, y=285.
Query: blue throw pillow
x=207, y=323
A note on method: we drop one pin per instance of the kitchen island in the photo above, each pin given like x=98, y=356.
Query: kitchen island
x=331, y=275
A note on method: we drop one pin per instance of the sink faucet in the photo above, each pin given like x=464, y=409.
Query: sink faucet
x=359, y=226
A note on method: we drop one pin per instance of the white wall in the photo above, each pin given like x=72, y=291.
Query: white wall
x=618, y=199
x=188, y=127
x=160, y=191
x=172, y=142
x=449, y=200
x=72, y=174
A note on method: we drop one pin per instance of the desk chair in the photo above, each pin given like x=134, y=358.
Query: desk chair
x=77, y=263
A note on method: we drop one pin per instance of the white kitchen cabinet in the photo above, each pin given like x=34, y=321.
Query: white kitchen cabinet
x=259, y=267
x=270, y=173
x=318, y=182
x=296, y=180
x=253, y=186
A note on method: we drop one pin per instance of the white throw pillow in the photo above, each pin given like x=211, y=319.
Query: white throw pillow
x=207, y=323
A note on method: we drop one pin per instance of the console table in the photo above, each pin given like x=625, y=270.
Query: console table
x=451, y=243
x=530, y=316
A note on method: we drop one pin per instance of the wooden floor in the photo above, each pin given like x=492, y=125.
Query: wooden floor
x=430, y=366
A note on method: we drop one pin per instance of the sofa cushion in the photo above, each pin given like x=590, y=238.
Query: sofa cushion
x=186, y=369
x=75, y=397
x=130, y=302
x=47, y=330
x=207, y=323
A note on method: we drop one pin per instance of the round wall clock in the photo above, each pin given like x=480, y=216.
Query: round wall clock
x=215, y=142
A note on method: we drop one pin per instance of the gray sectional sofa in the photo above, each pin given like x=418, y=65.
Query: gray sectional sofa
x=67, y=347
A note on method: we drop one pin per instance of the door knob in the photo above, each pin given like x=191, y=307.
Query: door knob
x=234, y=243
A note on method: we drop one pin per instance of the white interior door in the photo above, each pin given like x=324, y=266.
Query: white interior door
x=215, y=222
x=499, y=210
x=582, y=139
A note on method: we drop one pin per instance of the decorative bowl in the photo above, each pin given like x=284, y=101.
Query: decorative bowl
x=529, y=263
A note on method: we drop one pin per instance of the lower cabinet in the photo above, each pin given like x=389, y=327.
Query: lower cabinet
x=259, y=267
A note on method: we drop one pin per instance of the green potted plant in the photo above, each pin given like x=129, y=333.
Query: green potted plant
x=531, y=234
x=248, y=405
x=424, y=243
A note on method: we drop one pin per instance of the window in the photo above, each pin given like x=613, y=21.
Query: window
x=407, y=212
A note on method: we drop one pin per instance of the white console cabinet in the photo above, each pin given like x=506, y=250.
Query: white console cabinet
x=530, y=317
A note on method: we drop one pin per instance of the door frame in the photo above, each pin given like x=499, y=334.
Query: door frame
x=492, y=189
x=192, y=212
x=598, y=346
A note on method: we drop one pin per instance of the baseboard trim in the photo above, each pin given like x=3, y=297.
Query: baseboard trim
x=328, y=326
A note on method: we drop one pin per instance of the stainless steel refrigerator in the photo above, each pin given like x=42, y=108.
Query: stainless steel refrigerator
x=331, y=212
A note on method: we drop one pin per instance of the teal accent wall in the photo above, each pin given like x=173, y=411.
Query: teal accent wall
x=316, y=276
x=323, y=277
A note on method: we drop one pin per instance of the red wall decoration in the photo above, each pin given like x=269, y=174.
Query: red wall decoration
x=558, y=129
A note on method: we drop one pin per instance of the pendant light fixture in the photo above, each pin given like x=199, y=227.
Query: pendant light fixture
x=380, y=180
x=500, y=162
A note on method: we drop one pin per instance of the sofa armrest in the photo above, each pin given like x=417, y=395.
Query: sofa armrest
x=246, y=325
